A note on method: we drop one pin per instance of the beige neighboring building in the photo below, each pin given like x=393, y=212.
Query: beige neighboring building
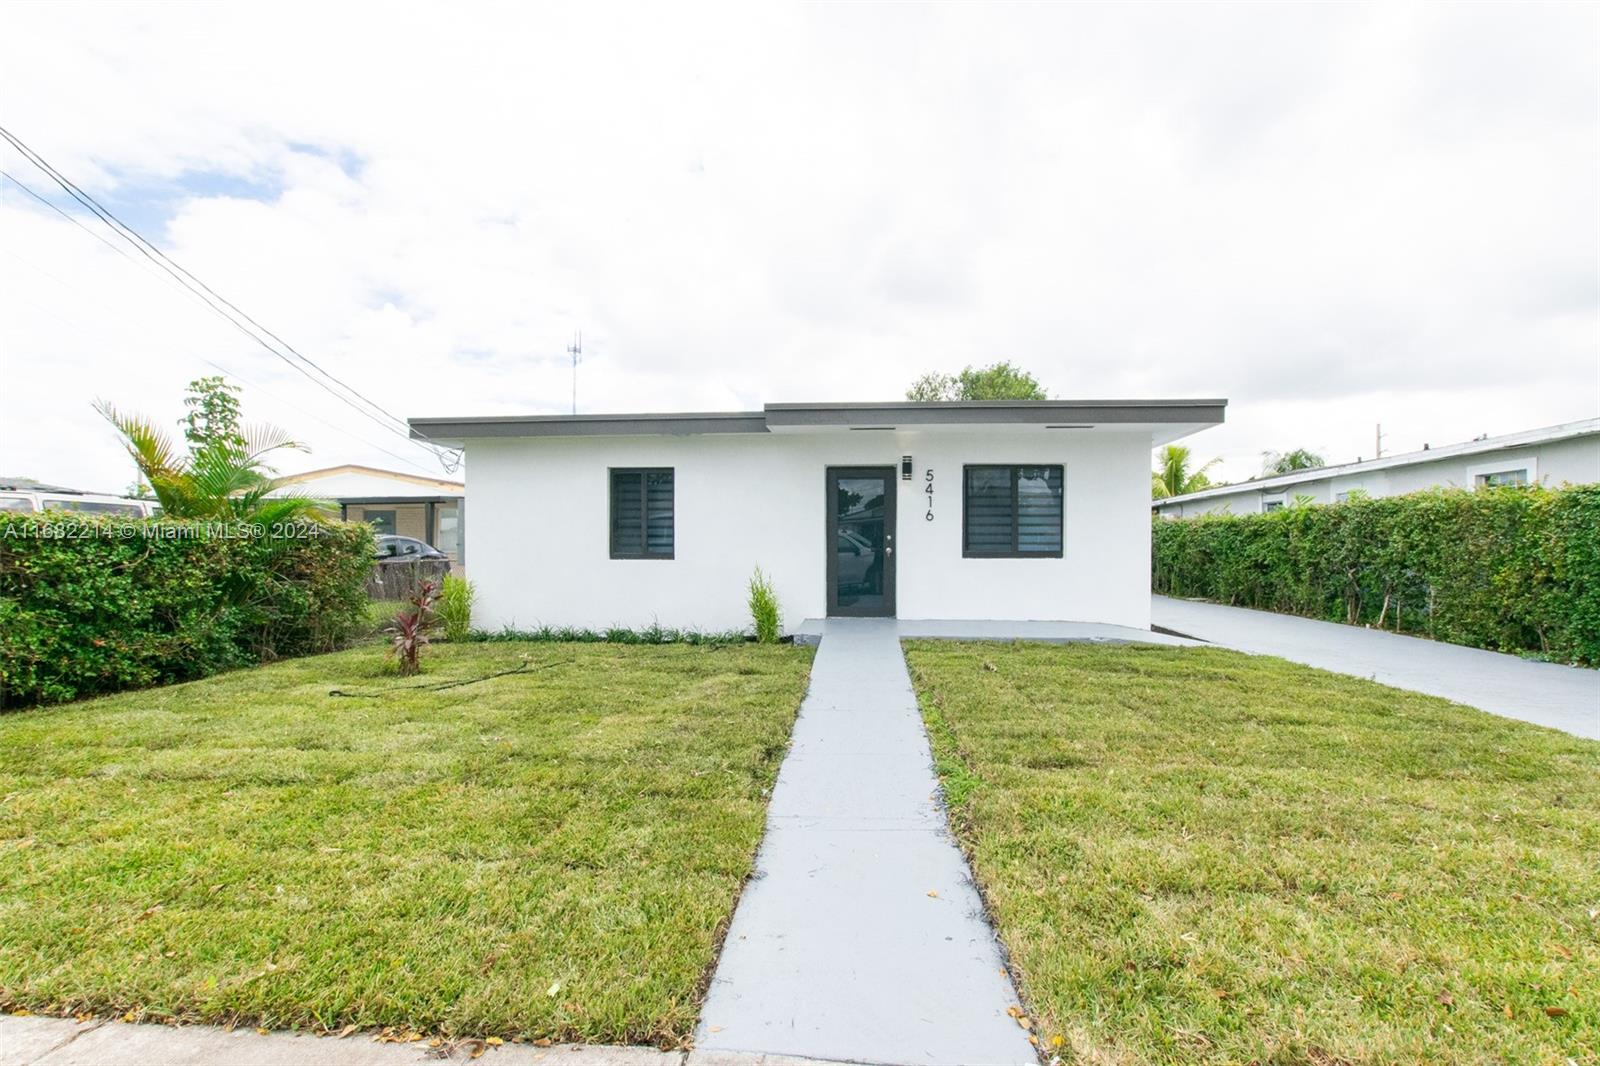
x=432, y=510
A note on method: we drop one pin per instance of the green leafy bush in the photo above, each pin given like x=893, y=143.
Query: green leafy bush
x=1513, y=569
x=764, y=614
x=95, y=604
x=455, y=607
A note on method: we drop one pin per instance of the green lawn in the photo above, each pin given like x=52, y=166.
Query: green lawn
x=551, y=854
x=1197, y=856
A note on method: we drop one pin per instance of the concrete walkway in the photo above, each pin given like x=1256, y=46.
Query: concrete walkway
x=862, y=937
x=1547, y=694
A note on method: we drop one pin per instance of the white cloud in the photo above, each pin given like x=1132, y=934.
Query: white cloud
x=1333, y=215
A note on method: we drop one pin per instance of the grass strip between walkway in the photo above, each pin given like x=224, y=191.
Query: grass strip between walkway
x=1194, y=855
x=547, y=854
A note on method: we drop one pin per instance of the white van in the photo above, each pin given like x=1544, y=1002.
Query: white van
x=27, y=501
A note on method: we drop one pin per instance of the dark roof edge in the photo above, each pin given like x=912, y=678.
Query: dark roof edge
x=997, y=412
x=901, y=413
x=601, y=425
x=980, y=405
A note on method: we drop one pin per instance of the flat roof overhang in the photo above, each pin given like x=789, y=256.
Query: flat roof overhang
x=1166, y=420
x=473, y=427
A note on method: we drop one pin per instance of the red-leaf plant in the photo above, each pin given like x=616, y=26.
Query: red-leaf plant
x=411, y=625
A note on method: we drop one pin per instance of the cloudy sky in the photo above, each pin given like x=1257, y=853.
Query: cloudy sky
x=1333, y=215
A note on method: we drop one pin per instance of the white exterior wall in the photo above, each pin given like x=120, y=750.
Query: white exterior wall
x=1575, y=461
x=541, y=550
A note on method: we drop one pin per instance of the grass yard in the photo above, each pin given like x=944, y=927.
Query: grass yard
x=551, y=854
x=1194, y=855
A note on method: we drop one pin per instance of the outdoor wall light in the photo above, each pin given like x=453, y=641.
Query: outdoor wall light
x=905, y=468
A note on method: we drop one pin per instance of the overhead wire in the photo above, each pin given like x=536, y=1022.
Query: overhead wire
x=448, y=458
x=217, y=366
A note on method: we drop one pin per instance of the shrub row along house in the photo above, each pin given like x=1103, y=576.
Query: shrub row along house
x=1553, y=456
x=955, y=510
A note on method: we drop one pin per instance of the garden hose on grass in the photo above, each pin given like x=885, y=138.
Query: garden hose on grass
x=440, y=686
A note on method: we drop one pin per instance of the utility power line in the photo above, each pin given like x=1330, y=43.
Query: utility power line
x=336, y=427
x=350, y=396
x=66, y=216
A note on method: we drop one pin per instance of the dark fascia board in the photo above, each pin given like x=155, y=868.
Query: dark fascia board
x=447, y=429
x=393, y=501
x=903, y=413
x=997, y=412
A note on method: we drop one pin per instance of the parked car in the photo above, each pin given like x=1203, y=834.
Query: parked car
x=28, y=501
x=860, y=567
x=393, y=548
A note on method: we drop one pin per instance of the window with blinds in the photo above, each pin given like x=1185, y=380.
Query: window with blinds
x=1012, y=512
x=641, y=514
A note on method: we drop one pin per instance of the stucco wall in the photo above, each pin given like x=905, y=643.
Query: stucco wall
x=1573, y=461
x=540, y=551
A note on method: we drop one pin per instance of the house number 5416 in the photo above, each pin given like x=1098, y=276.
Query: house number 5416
x=927, y=490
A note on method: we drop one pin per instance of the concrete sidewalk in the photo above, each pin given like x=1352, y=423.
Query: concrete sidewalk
x=1547, y=694
x=862, y=937
x=38, y=1041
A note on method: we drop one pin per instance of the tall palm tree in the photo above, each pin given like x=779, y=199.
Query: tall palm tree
x=1172, y=477
x=218, y=480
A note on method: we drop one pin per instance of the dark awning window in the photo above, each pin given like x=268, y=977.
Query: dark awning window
x=641, y=513
x=1012, y=512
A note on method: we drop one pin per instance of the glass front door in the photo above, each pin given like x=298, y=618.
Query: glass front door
x=861, y=541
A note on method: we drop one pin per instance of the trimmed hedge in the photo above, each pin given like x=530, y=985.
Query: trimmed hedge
x=1513, y=569
x=94, y=604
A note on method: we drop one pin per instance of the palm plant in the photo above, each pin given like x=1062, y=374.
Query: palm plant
x=1173, y=476
x=224, y=475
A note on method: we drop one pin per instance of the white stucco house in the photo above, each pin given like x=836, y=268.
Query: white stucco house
x=1030, y=510
x=1566, y=454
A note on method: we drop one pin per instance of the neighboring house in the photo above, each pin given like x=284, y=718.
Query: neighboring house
x=26, y=495
x=1557, y=455
x=410, y=505
x=979, y=510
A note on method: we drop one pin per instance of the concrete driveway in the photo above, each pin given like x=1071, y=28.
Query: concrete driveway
x=1547, y=694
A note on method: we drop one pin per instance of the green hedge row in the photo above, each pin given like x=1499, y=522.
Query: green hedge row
x=1514, y=569
x=94, y=604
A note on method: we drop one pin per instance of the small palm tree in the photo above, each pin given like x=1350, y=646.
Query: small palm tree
x=224, y=475
x=1173, y=476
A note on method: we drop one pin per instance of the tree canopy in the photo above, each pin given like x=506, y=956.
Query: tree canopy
x=998, y=381
x=1290, y=461
x=224, y=475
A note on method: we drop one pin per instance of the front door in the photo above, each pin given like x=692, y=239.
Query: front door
x=861, y=540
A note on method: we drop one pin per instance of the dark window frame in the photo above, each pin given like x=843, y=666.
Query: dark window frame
x=643, y=548
x=1490, y=479
x=1016, y=523
x=393, y=520
x=889, y=608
